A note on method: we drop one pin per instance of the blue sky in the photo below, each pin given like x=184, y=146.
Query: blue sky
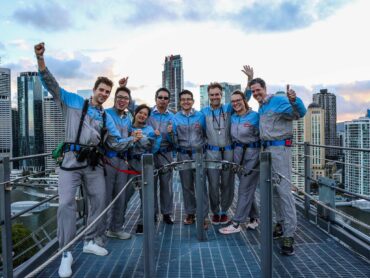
x=308, y=44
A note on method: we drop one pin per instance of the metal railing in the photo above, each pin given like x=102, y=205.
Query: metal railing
x=199, y=165
x=6, y=217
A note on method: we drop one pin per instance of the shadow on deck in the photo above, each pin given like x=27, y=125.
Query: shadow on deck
x=180, y=254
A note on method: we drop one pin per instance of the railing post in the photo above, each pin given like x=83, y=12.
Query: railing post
x=266, y=214
x=199, y=193
x=5, y=215
x=307, y=176
x=327, y=196
x=148, y=214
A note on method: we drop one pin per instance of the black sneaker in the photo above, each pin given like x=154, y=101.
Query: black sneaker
x=167, y=219
x=287, y=248
x=278, y=231
x=139, y=228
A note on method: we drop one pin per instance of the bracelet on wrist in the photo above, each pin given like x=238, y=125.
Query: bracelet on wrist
x=39, y=57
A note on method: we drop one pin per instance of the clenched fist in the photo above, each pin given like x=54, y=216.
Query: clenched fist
x=40, y=49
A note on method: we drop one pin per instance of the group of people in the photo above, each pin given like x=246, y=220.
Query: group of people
x=103, y=147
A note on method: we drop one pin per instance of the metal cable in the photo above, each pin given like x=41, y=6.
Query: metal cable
x=52, y=258
x=352, y=219
x=27, y=176
x=340, y=162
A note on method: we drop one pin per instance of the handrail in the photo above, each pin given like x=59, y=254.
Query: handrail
x=334, y=147
x=336, y=188
x=30, y=208
x=12, y=159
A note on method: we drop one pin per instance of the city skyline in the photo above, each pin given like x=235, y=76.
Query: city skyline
x=310, y=45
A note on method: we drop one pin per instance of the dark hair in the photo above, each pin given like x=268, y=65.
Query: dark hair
x=240, y=93
x=185, y=92
x=257, y=81
x=214, y=85
x=123, y=89
x=139, y=108
x=104, y=80
x=164, y=90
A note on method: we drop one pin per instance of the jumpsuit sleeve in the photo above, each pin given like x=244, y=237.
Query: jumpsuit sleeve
x=114, y=140
x=157, y=141
x=293, y=110
x=59, y=94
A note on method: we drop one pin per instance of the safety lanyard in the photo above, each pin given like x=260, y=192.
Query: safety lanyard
x=218, y=122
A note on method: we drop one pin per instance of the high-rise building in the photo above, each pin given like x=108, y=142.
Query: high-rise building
x=5, y=114
x=328, y=102
x=31, y=134
x=54, y=129
x=173, y=79
x=298, y=154
x=15, y=135
x=315, y=134
x=227, y=89
x=357, y=168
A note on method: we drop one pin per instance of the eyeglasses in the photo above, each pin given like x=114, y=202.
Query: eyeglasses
x=165, y=98
x=186, y=99
x=123, y=98
x=236, y=100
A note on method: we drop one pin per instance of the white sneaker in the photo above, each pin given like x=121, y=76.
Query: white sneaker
x=119, y=234
x=65, y=268
x=253, y=225
x=93, y=248
x=230, y=229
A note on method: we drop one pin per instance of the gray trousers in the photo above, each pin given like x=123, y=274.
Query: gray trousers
x=187, y=178
x=135, y=164
x=220, y=184
x=282, y=196
x=165, y=184
x=247, y=188
x=94, y=188
x=114, y=182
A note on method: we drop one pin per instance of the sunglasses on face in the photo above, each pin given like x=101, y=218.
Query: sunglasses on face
x=165, y=98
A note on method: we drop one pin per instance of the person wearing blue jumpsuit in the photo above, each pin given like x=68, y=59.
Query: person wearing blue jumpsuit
x=76, y=168
x=159, y=120
x=188, y=132
x=277, y=113
x=116, y=164
x=245, y=137
x=149, y=143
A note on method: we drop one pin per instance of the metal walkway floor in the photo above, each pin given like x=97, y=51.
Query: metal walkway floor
x=180, y=254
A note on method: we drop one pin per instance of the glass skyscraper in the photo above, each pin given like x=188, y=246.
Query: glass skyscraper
x=31, y=133
x=173, y=79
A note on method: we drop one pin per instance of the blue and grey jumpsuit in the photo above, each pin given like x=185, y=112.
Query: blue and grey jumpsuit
x=116, y=180
x=150, y=143
x=188, y=134
x=92, y=179
x=245, y=137
x=164, y=156
x=219, y=147
x=276, y=133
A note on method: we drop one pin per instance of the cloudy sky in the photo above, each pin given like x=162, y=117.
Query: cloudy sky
x=310, y=44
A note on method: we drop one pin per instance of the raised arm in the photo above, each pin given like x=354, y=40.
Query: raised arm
x=39, y=51
x=248, y=71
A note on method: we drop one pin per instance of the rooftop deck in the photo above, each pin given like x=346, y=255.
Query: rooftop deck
x=180, y=254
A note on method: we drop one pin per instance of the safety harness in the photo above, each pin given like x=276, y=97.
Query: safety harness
x=92, y=154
